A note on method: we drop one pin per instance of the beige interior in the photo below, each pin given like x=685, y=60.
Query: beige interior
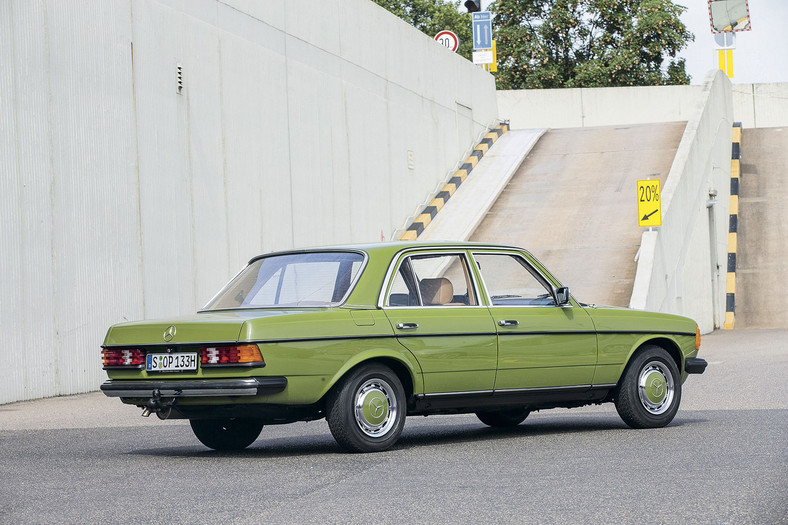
x=438, y=291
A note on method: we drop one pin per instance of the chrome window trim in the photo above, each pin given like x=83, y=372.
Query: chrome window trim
x=338, y=304
x=441, y=307
x=528, y=306
x=401, y=256
x=517, y=253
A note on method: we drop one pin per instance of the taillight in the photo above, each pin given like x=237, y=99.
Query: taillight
x=123, y=357
x=232, y=355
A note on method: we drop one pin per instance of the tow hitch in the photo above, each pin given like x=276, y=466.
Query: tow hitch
x=154, y=404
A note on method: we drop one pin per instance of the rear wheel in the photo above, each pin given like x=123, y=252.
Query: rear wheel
x=503, y=418
x=366, y=411
x=650, y=390
x=228, y=433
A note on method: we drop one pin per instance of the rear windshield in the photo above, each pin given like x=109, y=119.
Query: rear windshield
x=301, y=279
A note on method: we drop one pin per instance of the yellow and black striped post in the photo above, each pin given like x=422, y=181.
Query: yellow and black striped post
x=459, y=176
x=733, y=228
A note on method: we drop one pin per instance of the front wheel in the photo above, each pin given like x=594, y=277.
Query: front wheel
x=228, y=433
x=650, y=390
x=503, y=418
x=366, y=411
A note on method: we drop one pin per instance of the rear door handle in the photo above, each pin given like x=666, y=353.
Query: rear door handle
x=407, y=326
x=508, y=322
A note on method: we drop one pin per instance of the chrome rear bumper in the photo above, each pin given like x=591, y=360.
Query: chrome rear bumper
x=250, y=386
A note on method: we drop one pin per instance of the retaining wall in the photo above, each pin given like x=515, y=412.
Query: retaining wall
x=754, y=105
x=587, y=107
x=681, y=266
x=761, y=105
x=124, y=197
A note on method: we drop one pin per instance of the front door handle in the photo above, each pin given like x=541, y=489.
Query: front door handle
x=407, y=326
x=508, y=322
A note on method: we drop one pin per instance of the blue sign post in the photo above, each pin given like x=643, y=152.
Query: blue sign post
x=482, y=30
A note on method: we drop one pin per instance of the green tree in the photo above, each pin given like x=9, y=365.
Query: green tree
x=589, y=43
x=432, y=16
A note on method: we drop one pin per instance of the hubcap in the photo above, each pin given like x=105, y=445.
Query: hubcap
x=655, y=387
x=375, y=407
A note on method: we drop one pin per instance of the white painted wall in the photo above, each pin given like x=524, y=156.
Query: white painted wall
x=676, y=272
x=122, y=199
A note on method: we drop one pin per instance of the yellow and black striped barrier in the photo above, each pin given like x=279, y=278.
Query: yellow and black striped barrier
x=459, y=176
x=733, y=229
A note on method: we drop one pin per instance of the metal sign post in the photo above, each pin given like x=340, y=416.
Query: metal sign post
x=727, y=17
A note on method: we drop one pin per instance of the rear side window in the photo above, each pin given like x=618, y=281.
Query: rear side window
x=303, y=279
x=432, y=280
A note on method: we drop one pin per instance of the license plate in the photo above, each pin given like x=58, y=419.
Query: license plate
x=171, y=362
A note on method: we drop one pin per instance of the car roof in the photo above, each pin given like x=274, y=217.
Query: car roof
x=390, y=248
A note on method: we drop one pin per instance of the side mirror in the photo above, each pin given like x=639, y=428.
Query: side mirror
x=562, y=296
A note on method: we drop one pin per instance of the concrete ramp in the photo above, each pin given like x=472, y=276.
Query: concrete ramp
x=762, y=259
x=572, y=203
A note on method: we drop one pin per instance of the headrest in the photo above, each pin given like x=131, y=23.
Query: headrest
x=436, y=291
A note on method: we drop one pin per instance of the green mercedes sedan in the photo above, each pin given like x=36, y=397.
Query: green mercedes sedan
x=365, y=335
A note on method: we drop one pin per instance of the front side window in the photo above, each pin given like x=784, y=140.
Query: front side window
x=432, y=280
x=302, y=279
x=510, y=281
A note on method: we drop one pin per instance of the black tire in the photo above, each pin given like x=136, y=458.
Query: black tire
x=503, y=418
x=366, y=409
x=649, y=393
x=228, y=433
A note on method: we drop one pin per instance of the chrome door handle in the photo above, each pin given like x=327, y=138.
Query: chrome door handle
x=508, y=322
x=407, y=326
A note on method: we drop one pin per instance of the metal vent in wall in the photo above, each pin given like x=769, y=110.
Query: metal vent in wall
x=179, y=71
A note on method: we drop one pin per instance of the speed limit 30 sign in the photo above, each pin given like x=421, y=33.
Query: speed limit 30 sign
x=649, y=205
x=448, y=40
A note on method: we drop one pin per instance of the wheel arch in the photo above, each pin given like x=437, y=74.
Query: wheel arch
x=404, y=371
x=667, y=344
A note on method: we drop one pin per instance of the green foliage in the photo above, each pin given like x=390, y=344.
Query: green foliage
x=433, y=16
x=589, y=43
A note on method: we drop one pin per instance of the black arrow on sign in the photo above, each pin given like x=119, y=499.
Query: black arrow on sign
x=646, y=217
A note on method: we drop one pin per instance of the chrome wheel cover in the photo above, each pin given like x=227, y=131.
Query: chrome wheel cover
x=656, y=389
x=375, y=408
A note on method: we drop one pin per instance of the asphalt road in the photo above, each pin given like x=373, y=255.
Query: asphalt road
x=724, y=459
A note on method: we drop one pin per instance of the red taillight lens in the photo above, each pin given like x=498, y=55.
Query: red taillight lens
x=123, y=357
x=231, y=355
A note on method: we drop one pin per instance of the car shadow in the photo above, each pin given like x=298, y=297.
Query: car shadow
x=417, y=435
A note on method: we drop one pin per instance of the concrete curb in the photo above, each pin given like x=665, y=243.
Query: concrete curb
x=733, y=229
x=436, y=204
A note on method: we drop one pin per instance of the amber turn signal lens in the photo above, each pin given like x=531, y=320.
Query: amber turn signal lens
x=697, y=337
x=249, y=354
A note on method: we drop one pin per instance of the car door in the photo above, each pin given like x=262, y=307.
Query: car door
x=433, y=306
x=540, y=344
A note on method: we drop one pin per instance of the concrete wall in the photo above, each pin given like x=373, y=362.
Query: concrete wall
x=122, y=199
x=761, y=105
x=754, y=105
x=681, y=266
x=586, y=107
